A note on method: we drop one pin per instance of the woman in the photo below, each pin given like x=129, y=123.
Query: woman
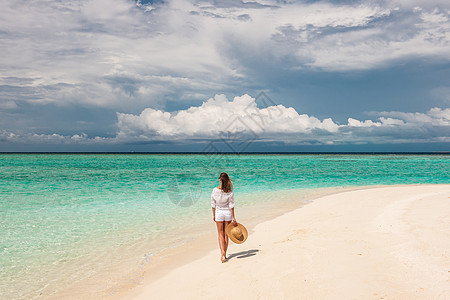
x=222, y=202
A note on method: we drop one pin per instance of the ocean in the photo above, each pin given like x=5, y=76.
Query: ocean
x=65, y=218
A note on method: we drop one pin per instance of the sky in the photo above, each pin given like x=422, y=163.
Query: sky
x=236, y=76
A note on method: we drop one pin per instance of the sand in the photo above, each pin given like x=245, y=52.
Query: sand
x=375, y=243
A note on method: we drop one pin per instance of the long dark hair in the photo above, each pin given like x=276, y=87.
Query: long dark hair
x=227, y=186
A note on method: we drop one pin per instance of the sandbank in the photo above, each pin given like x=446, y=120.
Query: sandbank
x=388, y=242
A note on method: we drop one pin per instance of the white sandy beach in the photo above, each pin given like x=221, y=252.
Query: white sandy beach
x=375, y=243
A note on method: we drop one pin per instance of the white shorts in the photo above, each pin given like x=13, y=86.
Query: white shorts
x=223, y=215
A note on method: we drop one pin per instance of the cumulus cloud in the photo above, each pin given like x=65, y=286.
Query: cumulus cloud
x=246, y=118
x=52, y=139
x=219, y=118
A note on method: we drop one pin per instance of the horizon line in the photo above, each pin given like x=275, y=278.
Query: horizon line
x=234, y=153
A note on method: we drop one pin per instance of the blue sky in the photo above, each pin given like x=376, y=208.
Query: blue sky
x=121, y=75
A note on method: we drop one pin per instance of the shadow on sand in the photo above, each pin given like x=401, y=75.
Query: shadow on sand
x=243, y=254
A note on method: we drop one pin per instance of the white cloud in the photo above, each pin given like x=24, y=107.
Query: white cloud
x=31, y=137
x=219, y=117
x=434, y=117
x=391, y=121
x=370, y=46
x=114, y=53
x=247, y=118
x=356, y=123
x=103, y=53
x=216, y=116
x=51, y=139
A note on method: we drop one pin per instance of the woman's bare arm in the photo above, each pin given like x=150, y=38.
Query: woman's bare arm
x=234, y=218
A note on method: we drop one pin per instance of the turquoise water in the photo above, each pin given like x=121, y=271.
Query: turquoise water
x=57, y=211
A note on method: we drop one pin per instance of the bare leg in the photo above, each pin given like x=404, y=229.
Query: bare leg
x=225, y=236
x=221, y=234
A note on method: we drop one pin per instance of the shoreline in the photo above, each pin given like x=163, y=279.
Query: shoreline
x=200, y=253
x=110, y=282
x=196, y=247
x=88, y=226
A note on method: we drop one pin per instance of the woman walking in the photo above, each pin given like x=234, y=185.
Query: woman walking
x=222, y=202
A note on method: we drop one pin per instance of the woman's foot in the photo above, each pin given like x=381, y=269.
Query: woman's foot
x=223, y=259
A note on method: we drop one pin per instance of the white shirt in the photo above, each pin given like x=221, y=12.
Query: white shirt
x=222, y=200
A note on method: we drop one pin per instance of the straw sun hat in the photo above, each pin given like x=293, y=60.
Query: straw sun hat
x=237, y=234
